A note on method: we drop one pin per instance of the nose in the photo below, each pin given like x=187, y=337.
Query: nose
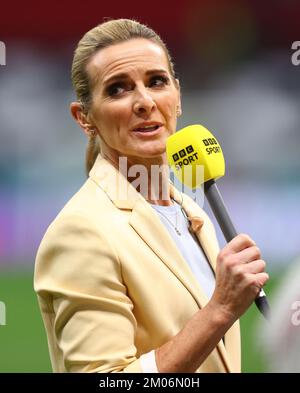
x=143, y=102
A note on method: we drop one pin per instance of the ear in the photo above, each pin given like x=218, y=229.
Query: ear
x=81, y=118
x=179, y=111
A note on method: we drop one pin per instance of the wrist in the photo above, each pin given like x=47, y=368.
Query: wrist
x=221, y=314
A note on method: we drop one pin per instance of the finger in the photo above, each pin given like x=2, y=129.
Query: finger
x=255, y=267
x=238, y=243
x=259, y=279
x=248, y=255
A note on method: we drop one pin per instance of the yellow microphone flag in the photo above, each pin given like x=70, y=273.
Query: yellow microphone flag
x=193, y=150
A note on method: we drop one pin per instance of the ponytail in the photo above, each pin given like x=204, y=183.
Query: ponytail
x=92, y=151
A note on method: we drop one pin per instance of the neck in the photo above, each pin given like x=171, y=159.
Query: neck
x=148, y=176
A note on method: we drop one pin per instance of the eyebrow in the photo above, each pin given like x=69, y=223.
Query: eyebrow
x=123, y=75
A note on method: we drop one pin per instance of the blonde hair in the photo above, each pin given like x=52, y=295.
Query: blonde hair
x=105, y=34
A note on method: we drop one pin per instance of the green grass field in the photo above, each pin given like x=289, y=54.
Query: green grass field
x=23, y=344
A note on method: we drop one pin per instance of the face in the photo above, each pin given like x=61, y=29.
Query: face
x=135, y=100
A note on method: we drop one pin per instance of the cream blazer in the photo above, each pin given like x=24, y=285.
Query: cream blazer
x=111, y=283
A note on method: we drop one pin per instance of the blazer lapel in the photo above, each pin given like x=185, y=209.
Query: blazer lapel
x=210, y=247
x=146, y=223
x=149, y=227
x=159, y=240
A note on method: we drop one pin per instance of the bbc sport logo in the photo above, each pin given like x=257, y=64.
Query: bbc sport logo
x=2, y=54
x=182, y=153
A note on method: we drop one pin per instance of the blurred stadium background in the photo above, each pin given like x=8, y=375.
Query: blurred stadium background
x=233, y=59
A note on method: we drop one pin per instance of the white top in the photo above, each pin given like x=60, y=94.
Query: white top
x=188, y=245
x=190, y=248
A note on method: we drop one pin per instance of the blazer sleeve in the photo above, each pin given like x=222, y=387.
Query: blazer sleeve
x=88, y=316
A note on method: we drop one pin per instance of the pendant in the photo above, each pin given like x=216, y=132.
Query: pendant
x=177, y=231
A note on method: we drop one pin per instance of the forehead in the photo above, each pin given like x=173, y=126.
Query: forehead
x=135, y=55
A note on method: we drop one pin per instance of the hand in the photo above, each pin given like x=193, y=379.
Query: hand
x=240, y=274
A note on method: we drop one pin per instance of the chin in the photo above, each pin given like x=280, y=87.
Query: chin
x=154, y=152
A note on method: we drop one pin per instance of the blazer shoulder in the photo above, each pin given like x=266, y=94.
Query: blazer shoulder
x=84, y=202
x=84, y=213
x=74, y=244
x=89, y=200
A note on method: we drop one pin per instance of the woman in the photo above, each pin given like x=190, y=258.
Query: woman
x=123, y=286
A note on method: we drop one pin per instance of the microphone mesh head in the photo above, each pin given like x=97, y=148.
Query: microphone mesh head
x=195, y=156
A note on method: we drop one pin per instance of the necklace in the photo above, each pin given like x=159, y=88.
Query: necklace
x=167, y=218
x=189, y=220
x=174, y=226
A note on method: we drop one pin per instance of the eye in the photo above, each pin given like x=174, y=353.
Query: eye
x=116, y=89
x=159, y=80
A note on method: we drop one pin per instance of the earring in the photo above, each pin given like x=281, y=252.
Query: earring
x=92, y=133
x=178, y=112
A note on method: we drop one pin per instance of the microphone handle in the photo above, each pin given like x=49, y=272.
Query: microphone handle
x=220, y=211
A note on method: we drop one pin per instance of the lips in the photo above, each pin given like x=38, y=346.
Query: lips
x=147, y=127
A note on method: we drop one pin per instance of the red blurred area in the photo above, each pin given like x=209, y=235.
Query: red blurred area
x=64, y=20
x=277, y=21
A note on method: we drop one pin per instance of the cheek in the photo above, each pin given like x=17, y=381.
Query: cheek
x=108, y=117
x=119, y=114
x=168, y=105
x=169, y=110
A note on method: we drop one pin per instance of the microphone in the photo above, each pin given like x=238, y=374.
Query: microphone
x=187, y=149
